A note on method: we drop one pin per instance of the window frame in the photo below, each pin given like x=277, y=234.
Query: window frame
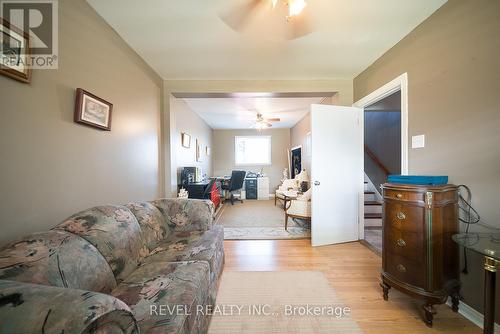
x=236, y=163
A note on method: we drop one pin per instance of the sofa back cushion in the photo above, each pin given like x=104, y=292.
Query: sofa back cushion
x=153, y=226
x=186, y=214
x=56, y=258
x=114, y=231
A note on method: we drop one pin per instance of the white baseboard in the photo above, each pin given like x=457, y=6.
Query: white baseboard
x=472, y=315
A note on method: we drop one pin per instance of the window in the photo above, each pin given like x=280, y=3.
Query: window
x=252, y=150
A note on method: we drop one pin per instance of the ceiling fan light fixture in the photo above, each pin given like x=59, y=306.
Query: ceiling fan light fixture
x=262, y=126
x=295, y=7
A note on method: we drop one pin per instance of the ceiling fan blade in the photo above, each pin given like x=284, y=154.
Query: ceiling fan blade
x=240, y=15
x=272, y=119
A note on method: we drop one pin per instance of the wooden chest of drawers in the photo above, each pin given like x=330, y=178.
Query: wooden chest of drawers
x=418, y=255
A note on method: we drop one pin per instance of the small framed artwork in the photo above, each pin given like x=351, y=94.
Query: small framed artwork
x=14, y=52
x=208, y=151
x=199, y=157
x=92, y=110
x=186, y=140
x=308, y=144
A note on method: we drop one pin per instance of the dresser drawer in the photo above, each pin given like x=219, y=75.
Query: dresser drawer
x=406, y=270
x=404, y=195
x=404, y=217
x=410, y=245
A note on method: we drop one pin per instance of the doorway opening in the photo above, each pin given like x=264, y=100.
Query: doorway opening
x=261, y=136
x=385, y=133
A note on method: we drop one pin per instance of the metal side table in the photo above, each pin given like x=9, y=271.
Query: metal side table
x=488, y=245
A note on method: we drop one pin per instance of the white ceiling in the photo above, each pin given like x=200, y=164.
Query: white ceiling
x=186, y=39
x=241, y=113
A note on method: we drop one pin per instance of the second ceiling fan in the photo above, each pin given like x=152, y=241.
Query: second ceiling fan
x=262, y=123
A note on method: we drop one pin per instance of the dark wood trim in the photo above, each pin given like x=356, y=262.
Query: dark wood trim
x=19, y=76
x=376, y=160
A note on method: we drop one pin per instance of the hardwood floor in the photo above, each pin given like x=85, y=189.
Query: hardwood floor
x=353, y=271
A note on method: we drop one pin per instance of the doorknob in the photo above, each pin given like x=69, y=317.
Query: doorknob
x=317, y=183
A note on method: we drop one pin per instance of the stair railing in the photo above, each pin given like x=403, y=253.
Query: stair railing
x=376, y=160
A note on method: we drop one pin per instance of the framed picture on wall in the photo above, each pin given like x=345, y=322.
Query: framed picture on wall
x=199, y=156
x=186, y=140
x=14, y=52
x=93, y=111
x=308, y=144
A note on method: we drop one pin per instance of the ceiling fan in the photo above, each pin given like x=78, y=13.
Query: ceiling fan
x=262, y=123
x=288, y=17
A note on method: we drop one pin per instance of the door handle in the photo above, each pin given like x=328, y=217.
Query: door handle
x=317, y=183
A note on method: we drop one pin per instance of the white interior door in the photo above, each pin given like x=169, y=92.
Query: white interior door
x=336, y=173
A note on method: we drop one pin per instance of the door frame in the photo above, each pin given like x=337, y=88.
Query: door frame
x=398, y=84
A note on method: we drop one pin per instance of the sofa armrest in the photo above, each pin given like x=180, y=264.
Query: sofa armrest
x=186, y=214
x=34, y=308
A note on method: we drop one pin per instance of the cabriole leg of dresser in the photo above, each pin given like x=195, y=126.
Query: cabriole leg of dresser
x=385, y=288
x=429, y=314
x=455, y=300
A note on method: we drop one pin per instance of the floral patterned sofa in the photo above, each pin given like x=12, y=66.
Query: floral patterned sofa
x=148, y=267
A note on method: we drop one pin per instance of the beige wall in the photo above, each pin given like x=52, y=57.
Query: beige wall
x=452, y=60
x=51, y=167
x=224, y=153
x=186, y=120
x=343, y=87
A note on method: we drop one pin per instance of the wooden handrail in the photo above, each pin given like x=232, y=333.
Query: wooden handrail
x=376, y=160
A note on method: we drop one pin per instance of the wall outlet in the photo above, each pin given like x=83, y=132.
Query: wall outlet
x=418, y=141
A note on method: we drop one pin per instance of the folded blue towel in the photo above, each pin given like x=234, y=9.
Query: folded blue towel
x=418, y=179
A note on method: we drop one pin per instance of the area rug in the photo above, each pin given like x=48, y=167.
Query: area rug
x=266, y=233
x=260, y=220
x=279, y=302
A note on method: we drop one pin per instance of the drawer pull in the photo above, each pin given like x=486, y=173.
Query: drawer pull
x=401, y=268
x=401, y=243
x=401, y=216
x=398, y=195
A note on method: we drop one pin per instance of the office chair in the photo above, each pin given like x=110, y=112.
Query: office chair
x=235, y=184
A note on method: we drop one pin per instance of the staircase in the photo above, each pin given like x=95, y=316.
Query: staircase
x=373, y=207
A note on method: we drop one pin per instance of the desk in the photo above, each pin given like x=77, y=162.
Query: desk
x=255, y=187
x=488, y=245
x=196, y=190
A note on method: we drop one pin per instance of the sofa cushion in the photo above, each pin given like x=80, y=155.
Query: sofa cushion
x=164, y=297
x=192, y=245
x=186, y=214
x=34, y=308
x=114, y=231
x=153, y=226
x=56, y=258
